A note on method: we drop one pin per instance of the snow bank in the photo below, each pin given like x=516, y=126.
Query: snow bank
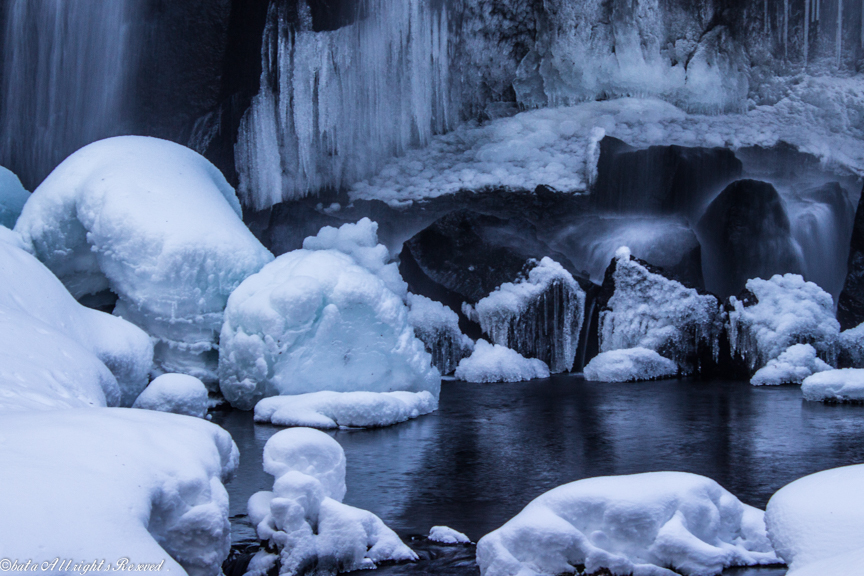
x=327, y=317
x=496, y=363
x=156, y=224
x=116, y=483
x=817, y=523
x=447, y=535
x=329, y=410
x=13, y=196
x=303, y=517
x=787, y=311
x=659, y=523
x=437, y=326
x=846, y=385
x=631, y=365
x=791, y=367
x=539, y=316
x=175, y=393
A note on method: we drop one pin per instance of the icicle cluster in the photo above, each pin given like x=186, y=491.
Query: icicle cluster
x=437, y=326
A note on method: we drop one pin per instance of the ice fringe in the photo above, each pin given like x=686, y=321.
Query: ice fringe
x=630, y=365
x=437, y=326
x=496, y=363
x=791, y=367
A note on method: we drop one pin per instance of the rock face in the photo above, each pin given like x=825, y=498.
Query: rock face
x=850, y=306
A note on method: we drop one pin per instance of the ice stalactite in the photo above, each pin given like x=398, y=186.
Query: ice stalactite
x=786, y=29
x=806, y=31
x=839, y=33
x=765, y=16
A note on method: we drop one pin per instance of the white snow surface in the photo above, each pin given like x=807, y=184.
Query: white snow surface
x=846, y=385
x=630, y=365
x=303, y=516
x=790, y=311
x=110, y=483
x=13, y=196
x=328, y=410
x=159, y=226
x=326, y=317
x=437, y=326
x=41, y=304
x=644, y=524
x=447, y=535
x=792, y=366
x=816, y=523
x=497, y=363
x=175, y=393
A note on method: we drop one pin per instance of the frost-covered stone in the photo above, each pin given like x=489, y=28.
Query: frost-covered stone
x=13, y=196
x=160, y=227
x=539, y=316
x=437, y=326
x=447, y=535
x=792, y=366
x=654, y=524
x=629, y=365
x=816, y=523
x=777, y=313
x=327, y=317
x=852, y=347
x=846, y=385
x=175, y=393
x=303, y=517
x=497, y=363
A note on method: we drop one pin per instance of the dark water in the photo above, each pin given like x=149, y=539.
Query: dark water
x=491, y=448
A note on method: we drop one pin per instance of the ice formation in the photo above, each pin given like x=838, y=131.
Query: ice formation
x=447, y=535
x=792, y=366
x=160, y=227
x=329, y=410
x=852, y=347
x=817, y=523
x=497, y=363
x=303, y=517
x=175, y=393
x=437, y=326
x=785, y=310
x=112, y=483
x=13, y=196
x=648, y=310
x=629, y=365
x=539, y=316
x=845, y=385
x=327, y=317
x=653, y=524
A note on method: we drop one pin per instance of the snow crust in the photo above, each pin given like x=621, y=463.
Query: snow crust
x=175, y=393
x=328, y=410
x=652, y=524
x=630, y=365
x=816, y=523
x=13, y=196
x=110, y=483
x=447, y=535
x=792, y=366
x=437, y=326
x=846, y=385
x=303, y=516
x=327, y=317
x=159, y=226
x=497, y=363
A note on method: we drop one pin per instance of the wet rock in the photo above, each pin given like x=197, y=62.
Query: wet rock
x=850, y=305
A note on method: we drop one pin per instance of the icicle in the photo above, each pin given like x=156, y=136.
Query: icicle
x=806, y=31
x=862, y=23
x=765, y=17
x=786, y=29
x=839, y=32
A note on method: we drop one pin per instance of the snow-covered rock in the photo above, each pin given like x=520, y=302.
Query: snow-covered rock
x=780, y=312
x=447, y=535
x=329, y=410
x=437, y=326
x=116, y=483
x=648, y=310
x=303, y=517
x=539, y=316
x=175, y=393
x=496, y=363
x=327, y=317
x=846, y=385
x=13, y=196
x=159, y=226
x=629, y=365
x=816, y=523
x=653, y=524
x=852, y=347
x=792, y=366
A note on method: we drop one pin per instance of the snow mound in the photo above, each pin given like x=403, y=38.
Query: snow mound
x=787, y=311
x=135, y=484
x=791, y=367
x=852, y=347
x=496, y=363
x=539, y=316
x=175, y=393
x=322, y=319
x=846, y=385
x=30, y=288
x=630, y=365
x=159, y=226
x=447, y=535
x=303, y=516
x=13, y=196
x=653, y=524
x=817, y=523
x=437, y=326
x=648, y=310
